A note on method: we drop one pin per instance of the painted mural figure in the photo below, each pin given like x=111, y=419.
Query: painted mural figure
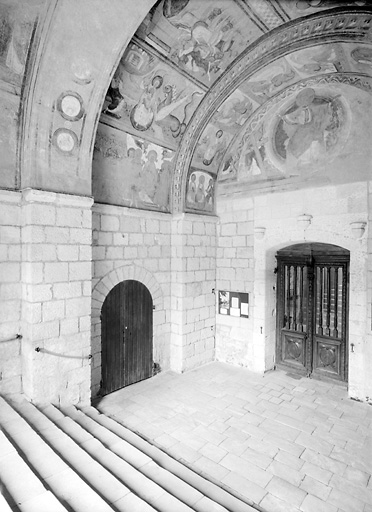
x=305, y=126
x=200, y=192
x=161, y=197
x=157, y=105
x=150, y=174
x=209, y=195
x=143, y=113
x=213, y=144
x=233, y=113
x=191, y=192
x=134, y=174
x=229, y=169
x=206, y=44
x=251, y=164
x=116, y=99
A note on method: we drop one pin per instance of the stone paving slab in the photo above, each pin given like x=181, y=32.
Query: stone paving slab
x=286, y=443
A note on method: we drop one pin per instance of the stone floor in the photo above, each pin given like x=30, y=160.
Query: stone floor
x=286, y=443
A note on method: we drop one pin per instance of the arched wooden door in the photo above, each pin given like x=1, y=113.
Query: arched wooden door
x=312, y=310
x=126, y=335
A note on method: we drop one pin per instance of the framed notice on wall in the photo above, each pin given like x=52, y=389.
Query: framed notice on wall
x=233, y=303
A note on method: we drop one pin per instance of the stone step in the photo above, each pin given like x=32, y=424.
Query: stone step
x=32, y=495
x=145, y=464
x=4, y=505
x=58, y=464
x=212, y=492
x=78, y=460
x=137, y=470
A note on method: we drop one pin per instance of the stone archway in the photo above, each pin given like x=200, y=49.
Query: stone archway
x=77, y=65
x=99, y=294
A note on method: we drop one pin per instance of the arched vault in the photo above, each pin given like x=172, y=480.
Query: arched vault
x=224, y=93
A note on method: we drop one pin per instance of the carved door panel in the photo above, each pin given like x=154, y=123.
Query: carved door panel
x=312, y=312
x=329, y=338
x=126, y=322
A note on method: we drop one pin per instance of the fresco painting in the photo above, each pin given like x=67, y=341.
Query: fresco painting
x=252, y=93
x=155, y=100
x=224, y=125
x=248, y=160
x=130, y=171
x=309, y=129
x=16, y=25
x=202, y=38
x=359, y=57
x=264, y=84
x=316, y=60
x=211, y=147
x=305, y=7
x=234, y=112
x=200, y=191
x=305, y=133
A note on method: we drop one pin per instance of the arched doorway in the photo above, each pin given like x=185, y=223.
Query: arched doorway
x=126, y=320
x=312, y=310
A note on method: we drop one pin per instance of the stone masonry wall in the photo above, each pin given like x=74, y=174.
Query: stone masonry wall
x=56, y=289
x=333, y=209
x=193, y=291
x=368, y=339
x=175, y=259
x=10, y=292
x=235, y=273
x=131, y=244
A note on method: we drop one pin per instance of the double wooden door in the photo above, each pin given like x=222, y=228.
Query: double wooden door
x=312, y=312
x=126, y=323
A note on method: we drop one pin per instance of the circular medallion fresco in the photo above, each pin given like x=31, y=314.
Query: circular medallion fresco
x=65, y=140
x=309, y=129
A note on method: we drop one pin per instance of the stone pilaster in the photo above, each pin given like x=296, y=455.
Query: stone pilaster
x=10, y=292
x=193, y=308
x=56, y=293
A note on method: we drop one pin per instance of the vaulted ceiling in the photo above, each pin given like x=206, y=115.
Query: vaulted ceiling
x=238, y=96
x=250, y=91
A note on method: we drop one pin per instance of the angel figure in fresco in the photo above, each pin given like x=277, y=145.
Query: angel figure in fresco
x=143, y=113
x=156, y=106
x=232, y=114
x=204, y=45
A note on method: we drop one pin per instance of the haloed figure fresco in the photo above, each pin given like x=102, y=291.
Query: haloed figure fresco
x=200, y=191
x=131, y=172
x=308, y=129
